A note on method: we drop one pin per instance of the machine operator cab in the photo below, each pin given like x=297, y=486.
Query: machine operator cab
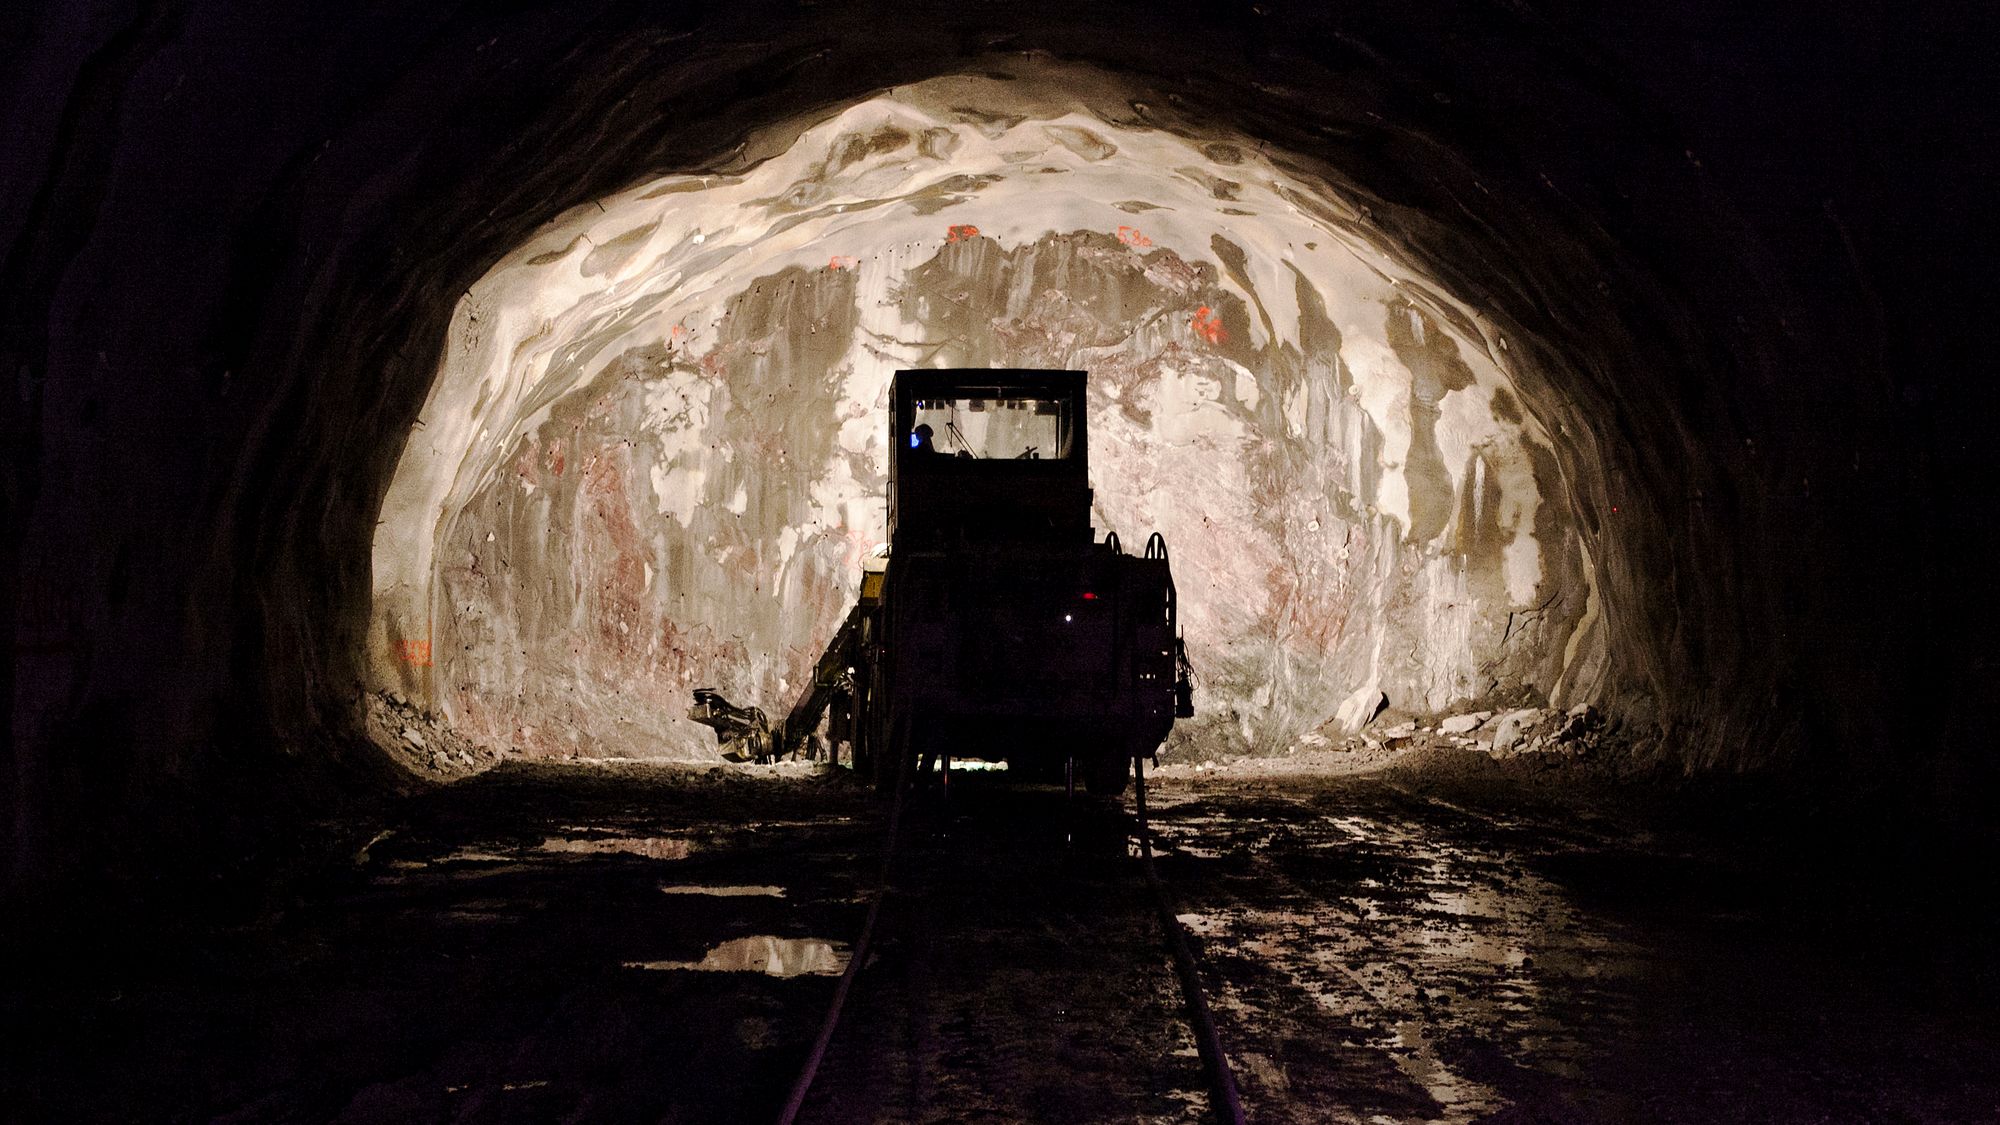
x=988, y=456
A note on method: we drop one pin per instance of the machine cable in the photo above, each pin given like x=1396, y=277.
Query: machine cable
x=814, y=1057
x=1222, y=1080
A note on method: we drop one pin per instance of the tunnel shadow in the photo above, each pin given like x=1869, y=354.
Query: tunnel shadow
x=498, y=957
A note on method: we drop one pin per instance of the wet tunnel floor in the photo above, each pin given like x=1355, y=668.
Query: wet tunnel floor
x=1386, y=956
x=591, y=944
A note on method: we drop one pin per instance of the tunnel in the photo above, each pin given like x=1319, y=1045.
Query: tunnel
x=414, y=408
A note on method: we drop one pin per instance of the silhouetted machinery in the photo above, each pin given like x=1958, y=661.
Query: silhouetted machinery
x=998, y=627
x=744, y=734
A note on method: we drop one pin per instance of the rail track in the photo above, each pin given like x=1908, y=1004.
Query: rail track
x=987, y=949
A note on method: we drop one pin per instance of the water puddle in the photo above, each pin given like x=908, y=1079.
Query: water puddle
x=762, y=953
x=1356, y=827
x=1200, y=924
x=725, y=892
x=464, y=855
x=649, y=847
x=481, y=910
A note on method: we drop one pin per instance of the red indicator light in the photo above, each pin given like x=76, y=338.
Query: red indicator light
x=1088, y=596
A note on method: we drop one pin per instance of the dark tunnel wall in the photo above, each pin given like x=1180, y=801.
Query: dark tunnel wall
x=234, y=238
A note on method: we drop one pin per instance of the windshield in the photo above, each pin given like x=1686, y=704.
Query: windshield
x=991, y=424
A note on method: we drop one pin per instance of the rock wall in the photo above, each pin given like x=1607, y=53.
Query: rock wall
x=676, y=485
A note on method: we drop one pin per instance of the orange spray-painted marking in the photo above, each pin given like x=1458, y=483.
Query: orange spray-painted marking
x=1130, y=236
x=1208, y=325
x=841, y=262
x=415, y=653
x=960, y=232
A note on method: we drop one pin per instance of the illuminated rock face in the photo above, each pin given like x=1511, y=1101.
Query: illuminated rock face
x=654, y=454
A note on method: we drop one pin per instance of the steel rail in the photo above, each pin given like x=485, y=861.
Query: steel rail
x=802, y=1085
x=1222, y=1080
x=1228, y=1103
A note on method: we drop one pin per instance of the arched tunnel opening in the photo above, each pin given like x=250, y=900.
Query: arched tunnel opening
x=655, y=452
x=1555, y=417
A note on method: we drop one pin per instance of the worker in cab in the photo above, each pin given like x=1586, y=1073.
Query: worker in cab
x=920, y=439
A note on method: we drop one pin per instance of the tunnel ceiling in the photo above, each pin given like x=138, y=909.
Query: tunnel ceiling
x=653, y=456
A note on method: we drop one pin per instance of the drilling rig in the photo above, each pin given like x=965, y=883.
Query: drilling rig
x=997, y=626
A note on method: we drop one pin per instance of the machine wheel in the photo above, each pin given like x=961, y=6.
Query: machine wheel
x=1107, y=774
x=896, y=745
x=861, y=756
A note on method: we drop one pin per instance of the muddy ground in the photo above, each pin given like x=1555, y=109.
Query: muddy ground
x=1411, y=936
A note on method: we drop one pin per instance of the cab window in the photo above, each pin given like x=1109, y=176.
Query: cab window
x=991, y=425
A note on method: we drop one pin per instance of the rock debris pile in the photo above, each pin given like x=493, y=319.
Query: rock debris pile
x=421, y=741
x=1526, y=731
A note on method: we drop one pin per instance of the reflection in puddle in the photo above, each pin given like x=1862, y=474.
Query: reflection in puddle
x=725, y=892
x=1200, y=924
x=1356, y=827
x=1430, y=941
x=651, y=847
x=762, y=953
